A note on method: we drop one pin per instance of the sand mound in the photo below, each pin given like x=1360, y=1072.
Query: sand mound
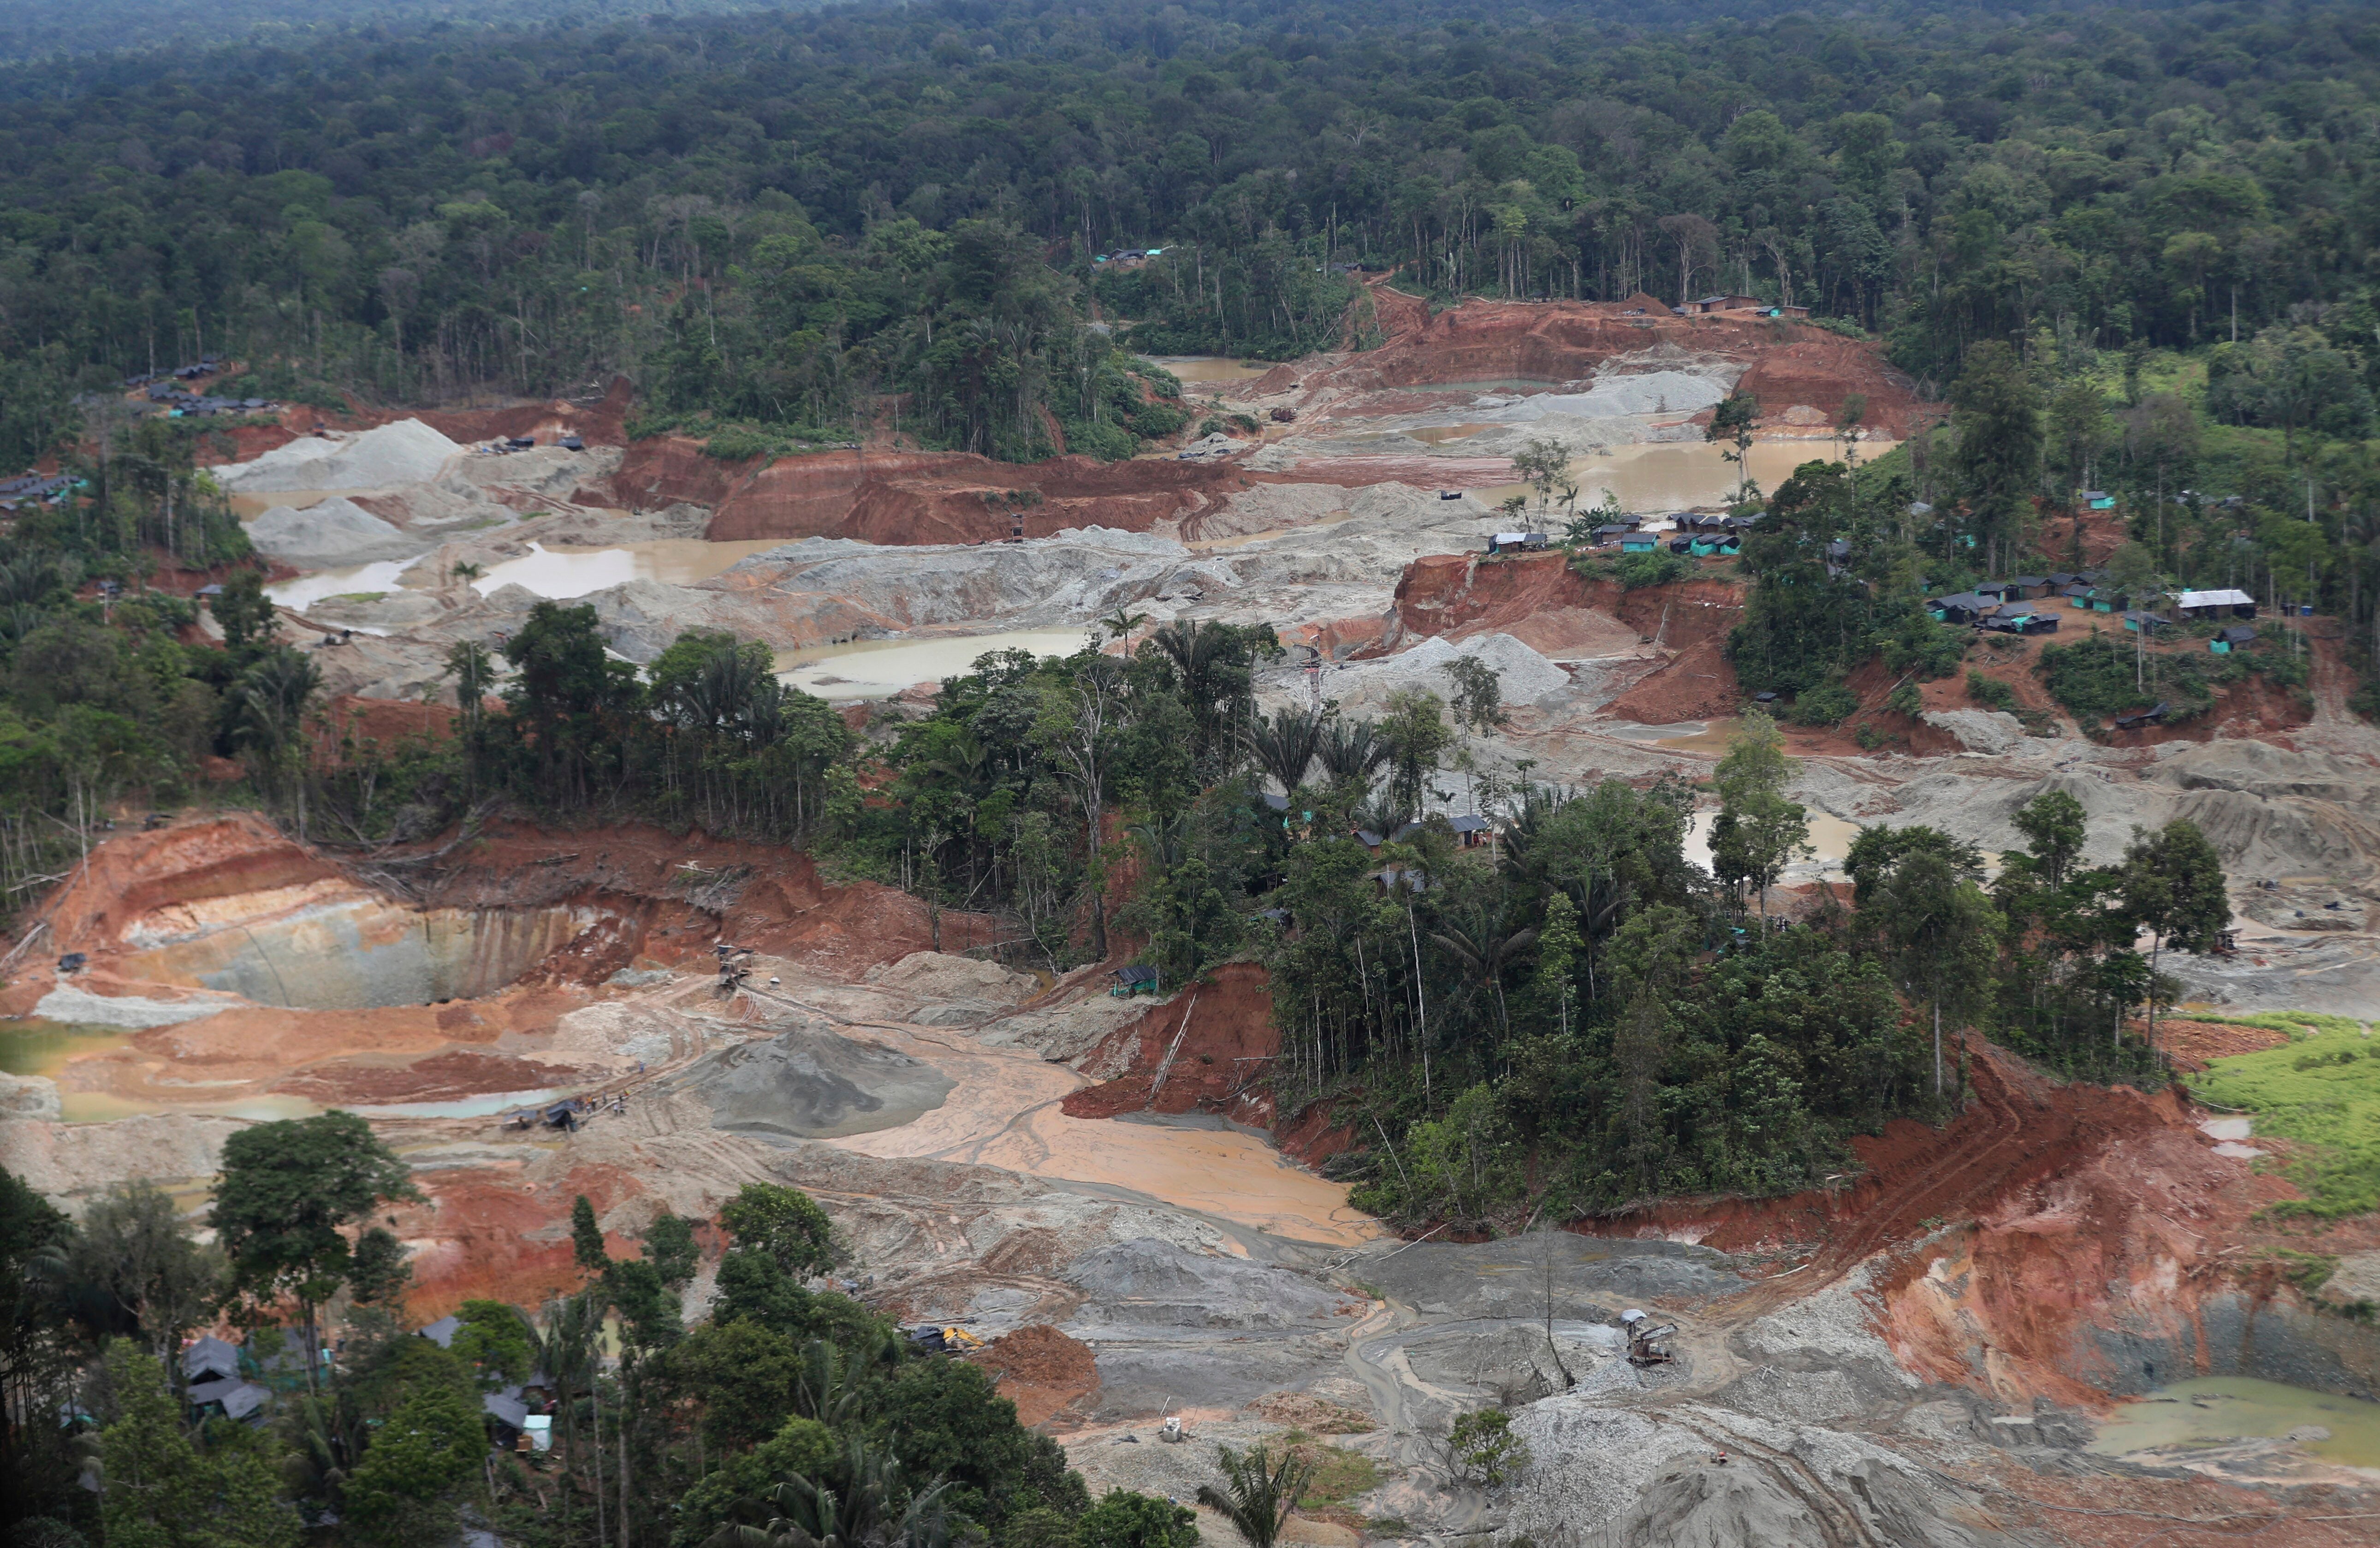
x=939, y=975
x=408, y=452
x=64, y=1159
x=1528, y=677
x=811, y=1085
x=1625, y=394
x=330, y=535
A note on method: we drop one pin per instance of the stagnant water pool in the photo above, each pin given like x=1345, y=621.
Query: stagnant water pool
x=2210, y=1410
x=879, y=669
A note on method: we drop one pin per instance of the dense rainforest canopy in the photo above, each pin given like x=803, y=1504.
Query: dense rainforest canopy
x=2130, y=247
x=770, y=215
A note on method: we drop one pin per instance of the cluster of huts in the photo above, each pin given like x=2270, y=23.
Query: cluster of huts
x=2032, y=604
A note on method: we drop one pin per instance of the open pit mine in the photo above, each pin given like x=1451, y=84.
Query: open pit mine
x=1976, y=1340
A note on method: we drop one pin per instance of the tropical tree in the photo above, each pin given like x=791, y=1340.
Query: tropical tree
x=288, y=1192
x=2172, y=886
x=1258, y=1493
x=1917, y=890
x=1757, y=832
x=137, y=1255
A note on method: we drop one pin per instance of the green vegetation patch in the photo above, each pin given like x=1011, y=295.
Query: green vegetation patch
x=1338, y=1474
x=2096, y=678
x=2321, y=1091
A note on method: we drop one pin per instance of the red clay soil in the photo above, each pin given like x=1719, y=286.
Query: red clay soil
x=601, y=423
x=133, y=874
x=910, y=497
x=2101, y=532
x=1317, y=1134
x=386, y=722
x=1454, y=595
x=1691, y=620
x=1230, y=1042
x=481, y=1233
x=2194, y=1045
x=1042, y=1370
x=2070, y=1207
x=1788, y=365
x=766, y=897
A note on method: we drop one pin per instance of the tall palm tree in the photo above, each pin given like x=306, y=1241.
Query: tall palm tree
x=1258, y=1493
x=875, y=1510
x=1351, y=749
x=269, y=711
x=1285, y=744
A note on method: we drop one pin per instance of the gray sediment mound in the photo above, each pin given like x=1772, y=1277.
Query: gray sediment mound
x=811, y=1084
x=1592, y=1278
x=332, y=533
x=406, y=451
x=1154, y=1284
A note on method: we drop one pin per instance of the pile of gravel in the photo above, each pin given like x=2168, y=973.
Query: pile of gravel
x=1526, y=677
x=811, y=1084
x=330, y=535
x=1152, y=1282
x=408, y=452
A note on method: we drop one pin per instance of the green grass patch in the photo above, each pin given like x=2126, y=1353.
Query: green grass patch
x=356, y=596
x=2296, y=1023
x=2323, y=1091
x=1339, y=1473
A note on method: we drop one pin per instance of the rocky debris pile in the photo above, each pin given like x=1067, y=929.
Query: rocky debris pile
x=332, y=534
x=1979, y=730
x=627, y=1034
x=33, y=1097
x=810, y=1083
x=1312, y=1413
x=1063, y=1029
x=1609, y=1478
x=1365, y=687
x=1155, y=1284
x=406, y=451
x=2322, y=909
x=1560, y=1274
